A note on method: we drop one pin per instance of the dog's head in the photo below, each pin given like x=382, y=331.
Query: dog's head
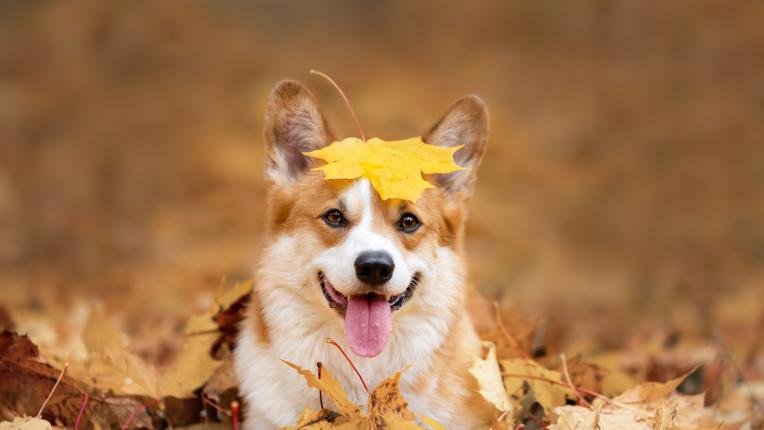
x=350, y=255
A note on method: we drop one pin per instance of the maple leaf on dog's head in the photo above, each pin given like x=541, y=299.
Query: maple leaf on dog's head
x=394, y=168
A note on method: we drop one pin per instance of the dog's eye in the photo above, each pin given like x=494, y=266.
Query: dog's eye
x=335, y=218
x=408, y=223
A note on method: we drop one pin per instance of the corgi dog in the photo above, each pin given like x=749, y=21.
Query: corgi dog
x=386, y=279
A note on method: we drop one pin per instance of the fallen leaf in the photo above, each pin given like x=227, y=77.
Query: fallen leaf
x=26, y=423
x=194, y=365
x=387, y=406
x=100, y=333
x=394, y=168
x=651, y=393
x=488, y=375
x=317, y=420
x=589, y=374
x=432, y=423
x=582, y=418
x=26, y=381
x=112, y=366
x=649, y=406
x=331, y=388
x=548, y=385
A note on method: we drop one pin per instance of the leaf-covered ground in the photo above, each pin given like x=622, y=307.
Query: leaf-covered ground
x=89, y=376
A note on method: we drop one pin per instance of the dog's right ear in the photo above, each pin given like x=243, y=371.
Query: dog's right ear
x=294, y=124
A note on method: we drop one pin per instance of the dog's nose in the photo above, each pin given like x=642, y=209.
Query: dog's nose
x=374, y=267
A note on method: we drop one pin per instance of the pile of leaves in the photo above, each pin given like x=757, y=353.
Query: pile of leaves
x=108, y=385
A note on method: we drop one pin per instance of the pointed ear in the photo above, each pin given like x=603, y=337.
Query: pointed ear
x=294, y=124
x=465, y=123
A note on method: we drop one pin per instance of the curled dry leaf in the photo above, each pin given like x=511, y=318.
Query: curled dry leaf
x=488, y=375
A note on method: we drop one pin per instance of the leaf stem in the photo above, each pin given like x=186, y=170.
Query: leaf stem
x=320, y=366
x=331, y=341
x=235, y=409
x=52, y=390
x=215, y=407
x=85, y=399
x=570, y=381
x=344, y=97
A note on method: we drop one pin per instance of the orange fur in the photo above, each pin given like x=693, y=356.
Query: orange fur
x=289, y=316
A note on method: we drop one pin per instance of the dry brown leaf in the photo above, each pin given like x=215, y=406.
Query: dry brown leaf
x=112, y=366
x=26, y=382
x=665, y=417
x=649, y=406
x=488, y=375
x=194, y=364
x=582, y=418
x=548, y=385
x=651, y=393
x=101, y=333
x=597, y=377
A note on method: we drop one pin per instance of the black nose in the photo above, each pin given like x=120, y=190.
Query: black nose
x=374, y=267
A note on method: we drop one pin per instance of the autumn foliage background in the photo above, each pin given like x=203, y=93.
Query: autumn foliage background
x=620, y=201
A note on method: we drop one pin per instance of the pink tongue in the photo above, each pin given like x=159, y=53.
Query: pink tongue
x=368, y=322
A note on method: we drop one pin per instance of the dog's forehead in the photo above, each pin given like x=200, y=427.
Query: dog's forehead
x=358, y=198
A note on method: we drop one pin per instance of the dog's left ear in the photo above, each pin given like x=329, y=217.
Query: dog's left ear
x=465, y=123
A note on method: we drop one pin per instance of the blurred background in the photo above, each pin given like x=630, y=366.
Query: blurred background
x=621, y=193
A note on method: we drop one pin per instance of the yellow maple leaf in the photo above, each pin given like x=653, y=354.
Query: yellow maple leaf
x=386, y=404
x=394, y=168
x=331, y=387
x=387, y=408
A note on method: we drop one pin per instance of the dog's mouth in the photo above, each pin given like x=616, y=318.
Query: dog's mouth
x=339, y=301
x=368, y=317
